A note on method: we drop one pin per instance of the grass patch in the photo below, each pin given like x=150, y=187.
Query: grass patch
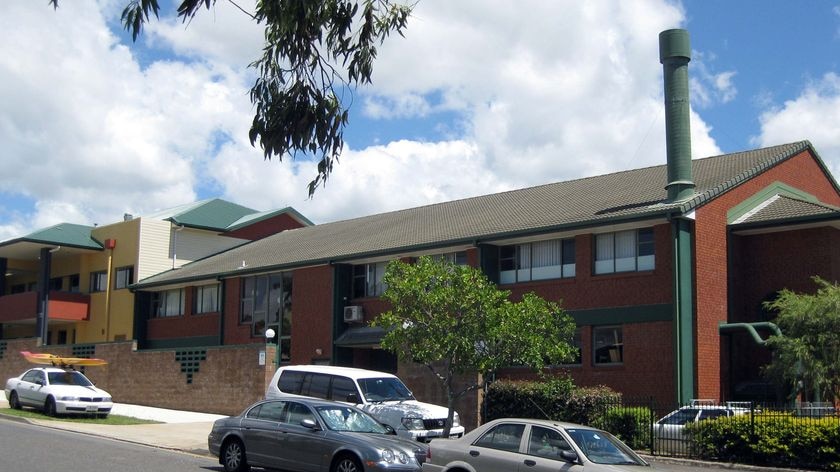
x=111, y=419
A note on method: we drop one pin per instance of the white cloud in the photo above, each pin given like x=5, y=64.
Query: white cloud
x=540, y=91
x=813, y=115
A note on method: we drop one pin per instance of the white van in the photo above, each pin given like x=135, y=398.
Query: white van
x=382, y=395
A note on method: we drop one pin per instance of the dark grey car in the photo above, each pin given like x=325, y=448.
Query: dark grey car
x=300, y=434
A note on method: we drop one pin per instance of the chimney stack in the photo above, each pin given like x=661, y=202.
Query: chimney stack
x=674, y=54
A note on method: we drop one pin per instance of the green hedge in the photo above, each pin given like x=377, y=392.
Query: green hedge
x=777, y=439
x=558, y=399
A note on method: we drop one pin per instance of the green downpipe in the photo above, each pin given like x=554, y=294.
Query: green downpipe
x=683, y=309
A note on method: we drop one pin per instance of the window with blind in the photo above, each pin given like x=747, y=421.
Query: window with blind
x=625, y=251
x=540, y=260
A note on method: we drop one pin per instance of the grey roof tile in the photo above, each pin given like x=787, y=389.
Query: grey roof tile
x=620, y=196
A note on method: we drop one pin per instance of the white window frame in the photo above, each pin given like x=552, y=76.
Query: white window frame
x=539, y=260
x=625, y=251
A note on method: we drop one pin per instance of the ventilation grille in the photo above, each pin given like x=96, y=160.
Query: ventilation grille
x=190, y=361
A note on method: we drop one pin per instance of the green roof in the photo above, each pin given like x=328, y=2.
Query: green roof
x=63, y=234
x=214, y=214
x=784, y=208
x=564, y=206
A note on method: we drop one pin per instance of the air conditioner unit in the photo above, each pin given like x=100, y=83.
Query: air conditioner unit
x=352, y=314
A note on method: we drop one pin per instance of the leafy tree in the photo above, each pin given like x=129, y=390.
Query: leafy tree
x=809, y=349
x=453, y=320
x=312, y=55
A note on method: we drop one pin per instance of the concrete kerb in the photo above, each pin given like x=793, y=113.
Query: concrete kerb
x=177, y=430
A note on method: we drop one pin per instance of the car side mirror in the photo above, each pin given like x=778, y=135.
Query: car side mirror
x=389, y=429
x=40, y=382
x=310, y=423
x=568, y=455
x=353, y=398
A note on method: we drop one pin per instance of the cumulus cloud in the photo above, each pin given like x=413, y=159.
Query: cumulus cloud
x=527, y=92
x=813, y=115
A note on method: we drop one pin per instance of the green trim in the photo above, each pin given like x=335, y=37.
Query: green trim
x=683, y=309
x=776, y=188
x=622, y=315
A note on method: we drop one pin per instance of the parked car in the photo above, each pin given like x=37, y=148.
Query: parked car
x=670, y=434
x=511, y=444
x=57, y=391
x=301, y=434
x=382, y=395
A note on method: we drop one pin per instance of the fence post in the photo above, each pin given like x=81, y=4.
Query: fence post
x=652, y=424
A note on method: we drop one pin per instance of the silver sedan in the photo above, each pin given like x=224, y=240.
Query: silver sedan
x=301, y=434
x=513, y=444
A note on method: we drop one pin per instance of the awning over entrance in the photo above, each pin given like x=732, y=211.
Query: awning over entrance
x=362, y=337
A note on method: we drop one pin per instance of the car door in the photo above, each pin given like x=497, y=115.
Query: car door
x=544, y=449
x=498, y=450
x=262, y=434
x=32, y=388
x=304, y=448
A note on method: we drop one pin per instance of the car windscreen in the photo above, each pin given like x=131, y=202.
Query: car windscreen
x=342, y=418
x=602, y=448
x=68, y=378
x=384, y=389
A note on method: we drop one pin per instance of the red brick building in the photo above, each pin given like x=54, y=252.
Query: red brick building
x=664, y=269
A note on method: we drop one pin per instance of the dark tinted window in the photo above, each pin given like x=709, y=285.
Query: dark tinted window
x=342, y=387
x=316, y=385
x=272, y=411
x=290, y=381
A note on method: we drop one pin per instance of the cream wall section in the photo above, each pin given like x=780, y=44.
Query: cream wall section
x=154, y=254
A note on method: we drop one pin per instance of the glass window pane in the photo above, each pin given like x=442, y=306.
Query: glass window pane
x=607, y=345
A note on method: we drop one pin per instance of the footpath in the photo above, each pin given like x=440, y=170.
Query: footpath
x=177, y=430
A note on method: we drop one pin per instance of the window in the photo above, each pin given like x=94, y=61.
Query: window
x=367, y=279
x=457, y=258
x=206, y=299
x=540, y=260
x=168, y=303
x=547, y=443
x=607, y=345
x=624, y=251
x=123, y=277
x=505, y=437
x=98, y=281
x=74, y=283
x=56, y=283
x=576, y=346
x=267, y=303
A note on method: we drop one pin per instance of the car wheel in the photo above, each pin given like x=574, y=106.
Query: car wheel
x=347, y=464
x=233, y=456
x=49, y=407
x=14, y=401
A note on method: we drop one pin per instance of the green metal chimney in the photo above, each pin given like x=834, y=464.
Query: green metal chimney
x=674, y=54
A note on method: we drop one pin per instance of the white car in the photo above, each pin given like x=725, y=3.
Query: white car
x=57, y=391
x=670, y=434
x=384, y=396
x=517, y=444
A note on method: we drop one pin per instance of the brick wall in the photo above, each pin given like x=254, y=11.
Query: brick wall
x=710, y=253
x=226, y=381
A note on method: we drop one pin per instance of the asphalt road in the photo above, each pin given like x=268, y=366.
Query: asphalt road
x=25, y=447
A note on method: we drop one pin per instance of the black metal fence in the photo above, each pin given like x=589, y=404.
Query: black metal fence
x=801, y=435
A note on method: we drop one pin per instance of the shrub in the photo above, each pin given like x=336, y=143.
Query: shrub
x=771, y=438
x=630, y=424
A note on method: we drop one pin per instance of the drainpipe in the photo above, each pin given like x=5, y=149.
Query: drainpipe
x=751, y=329
x=110, y=244
x=674, y=54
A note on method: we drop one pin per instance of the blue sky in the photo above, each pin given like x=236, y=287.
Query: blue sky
x=480, y=96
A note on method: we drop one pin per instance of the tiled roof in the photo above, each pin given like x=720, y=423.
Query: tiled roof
x=622, y=196
x=782, y=208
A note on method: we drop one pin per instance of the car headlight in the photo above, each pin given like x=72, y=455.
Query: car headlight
x=390, y=457
x=107, y=399
x=413, y=423
x=69, y=399
x=456, y=420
